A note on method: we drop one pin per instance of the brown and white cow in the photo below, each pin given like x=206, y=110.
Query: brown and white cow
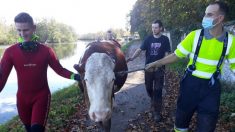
x=98, y=67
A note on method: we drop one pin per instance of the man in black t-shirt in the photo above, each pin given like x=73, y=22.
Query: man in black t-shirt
x=156, y=46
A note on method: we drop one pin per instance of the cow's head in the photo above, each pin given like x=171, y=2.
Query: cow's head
x=99, y=78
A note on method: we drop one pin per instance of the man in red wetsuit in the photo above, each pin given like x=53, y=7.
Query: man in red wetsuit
x=31, y=60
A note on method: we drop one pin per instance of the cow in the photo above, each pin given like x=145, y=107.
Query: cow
x=98, y=67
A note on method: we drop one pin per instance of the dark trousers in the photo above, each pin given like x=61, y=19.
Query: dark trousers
x=154, y=82
x=196, y=96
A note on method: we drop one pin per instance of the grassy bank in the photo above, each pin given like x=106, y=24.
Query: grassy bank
x=63, y=105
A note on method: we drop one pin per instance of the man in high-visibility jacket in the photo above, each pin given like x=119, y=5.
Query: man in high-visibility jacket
x=200, y=87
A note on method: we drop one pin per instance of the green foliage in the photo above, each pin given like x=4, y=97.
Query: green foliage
x=42, y=30
x=63, y=105
x=14, y=125
x=52, y=31
x=140, y=17
x=7, y=34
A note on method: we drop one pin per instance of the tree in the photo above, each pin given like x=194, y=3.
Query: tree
x=178, y=16
x=7, y=34
x=52, y=31
x=42, y=30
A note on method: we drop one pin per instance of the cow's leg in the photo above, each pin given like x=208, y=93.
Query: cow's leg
x=107, y=125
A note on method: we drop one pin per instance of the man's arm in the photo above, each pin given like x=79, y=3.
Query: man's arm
x=59, y=69
x=164, y=61
x=136, y=54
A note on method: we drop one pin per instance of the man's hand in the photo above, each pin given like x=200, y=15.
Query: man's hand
x=150, y=67
x=77, y=77
x=137, y=53
x=153, y=66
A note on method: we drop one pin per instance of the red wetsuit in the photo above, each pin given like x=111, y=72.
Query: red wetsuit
x=33, y=95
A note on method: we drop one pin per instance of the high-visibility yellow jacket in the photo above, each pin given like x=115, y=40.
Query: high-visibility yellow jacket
x=209, y=52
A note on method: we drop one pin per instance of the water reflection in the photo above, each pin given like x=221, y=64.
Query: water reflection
x=64, y=50
x=68, y=55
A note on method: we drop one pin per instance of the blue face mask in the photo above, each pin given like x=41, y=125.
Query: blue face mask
x=207, y=23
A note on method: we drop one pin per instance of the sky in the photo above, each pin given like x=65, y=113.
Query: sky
x=86, y=16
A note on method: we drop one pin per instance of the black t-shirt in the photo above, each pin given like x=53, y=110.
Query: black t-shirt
x=155, y=48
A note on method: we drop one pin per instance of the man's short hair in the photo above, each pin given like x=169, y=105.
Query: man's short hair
x=24, y=17
x=159, y=23
x=223, y=7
